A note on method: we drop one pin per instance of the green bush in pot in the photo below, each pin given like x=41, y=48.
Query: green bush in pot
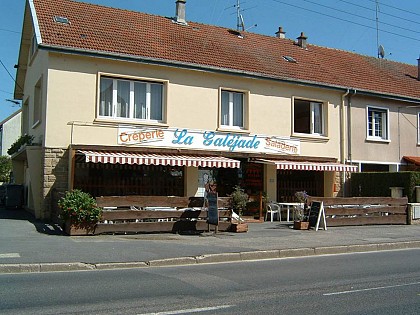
x=79, y=207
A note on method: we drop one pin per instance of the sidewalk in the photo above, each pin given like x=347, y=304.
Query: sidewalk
x=28, y=245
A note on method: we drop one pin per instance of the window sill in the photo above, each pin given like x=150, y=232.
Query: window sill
x=130, y=122
x=378, y=140
x=232, y=129
x=36, y=124
x=310, y=137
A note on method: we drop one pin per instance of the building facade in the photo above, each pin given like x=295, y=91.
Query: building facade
x=160, y=106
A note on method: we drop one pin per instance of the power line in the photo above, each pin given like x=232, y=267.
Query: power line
x=10, y=75
x=383, y=13
x=363, y=17
x=344, y=20
x=10, y=31
x=395, y=8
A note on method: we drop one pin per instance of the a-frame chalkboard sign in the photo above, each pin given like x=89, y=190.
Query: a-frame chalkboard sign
x=317, y=215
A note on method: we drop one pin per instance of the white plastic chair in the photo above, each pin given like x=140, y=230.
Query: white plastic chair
x=272, y=209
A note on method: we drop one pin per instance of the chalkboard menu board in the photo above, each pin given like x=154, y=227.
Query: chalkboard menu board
x=317, y=215
x=213, y=213
x=314, y=213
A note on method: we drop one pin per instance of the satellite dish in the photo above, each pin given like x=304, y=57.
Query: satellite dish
x=381, y=51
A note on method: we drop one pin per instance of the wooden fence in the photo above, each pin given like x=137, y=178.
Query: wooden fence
x=364, y=210
x=131, y=214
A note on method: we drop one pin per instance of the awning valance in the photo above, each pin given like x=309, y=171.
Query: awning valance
x=412, y=159
x=309, y=166
x=120, y=157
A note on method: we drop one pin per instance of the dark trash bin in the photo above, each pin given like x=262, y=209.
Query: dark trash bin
x=11, y=195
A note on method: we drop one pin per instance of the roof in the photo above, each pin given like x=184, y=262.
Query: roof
x=106, y=31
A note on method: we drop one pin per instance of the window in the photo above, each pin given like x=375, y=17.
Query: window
x=308, y=117
x=377, y=123
x=418, y=128
x=129, y=99
x=36, y=118
x=232, y=109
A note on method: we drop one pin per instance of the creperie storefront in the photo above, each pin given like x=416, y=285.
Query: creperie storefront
x=180, y=162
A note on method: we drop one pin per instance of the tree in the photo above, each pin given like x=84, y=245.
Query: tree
x=5, y=168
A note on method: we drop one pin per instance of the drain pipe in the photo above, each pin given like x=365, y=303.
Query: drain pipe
x=342, y=140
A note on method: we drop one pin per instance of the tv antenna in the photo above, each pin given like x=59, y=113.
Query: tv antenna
x=240, y=24
x=377, y=32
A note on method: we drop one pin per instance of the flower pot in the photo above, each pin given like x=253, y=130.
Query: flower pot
x=301, y=225
x=79, y=229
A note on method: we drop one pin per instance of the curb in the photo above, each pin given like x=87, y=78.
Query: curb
x=209, y=258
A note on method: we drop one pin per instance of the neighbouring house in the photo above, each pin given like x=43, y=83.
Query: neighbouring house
x=128, y=103
x=10, y=131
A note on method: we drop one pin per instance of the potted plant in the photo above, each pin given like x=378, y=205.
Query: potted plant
x=300, y=219
x=79, y=212
x=239, y=200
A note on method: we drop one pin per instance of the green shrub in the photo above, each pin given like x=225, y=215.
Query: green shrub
x=21, y=141
x=79, y=207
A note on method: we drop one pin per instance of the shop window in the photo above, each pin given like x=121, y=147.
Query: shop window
x=377, y=123
x=123, y=180
x=131, y=99
x=308, y=117
x=233, y=109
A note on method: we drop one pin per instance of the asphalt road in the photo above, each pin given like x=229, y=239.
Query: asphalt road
x=364, y=283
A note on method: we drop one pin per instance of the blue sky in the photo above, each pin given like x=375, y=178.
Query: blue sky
x=343, y=24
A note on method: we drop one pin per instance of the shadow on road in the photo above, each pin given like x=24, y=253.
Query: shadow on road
x=21, y=214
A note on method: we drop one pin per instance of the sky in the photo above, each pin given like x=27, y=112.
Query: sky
x=359, y=26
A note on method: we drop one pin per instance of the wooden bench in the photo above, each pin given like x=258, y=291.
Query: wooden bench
x=127, y=214
x=364, y=210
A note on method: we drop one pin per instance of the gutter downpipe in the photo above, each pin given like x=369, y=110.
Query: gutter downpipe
x=342, y=141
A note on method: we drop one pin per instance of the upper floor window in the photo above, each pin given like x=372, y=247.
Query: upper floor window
x=120, y=98
x=377, y=123
x=232, y=109
x=418, y=128
x=37, y=99
x=308, y=117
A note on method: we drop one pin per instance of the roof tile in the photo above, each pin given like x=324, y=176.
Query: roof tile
x=139, y=35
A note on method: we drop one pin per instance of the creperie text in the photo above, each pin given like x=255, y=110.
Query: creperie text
x=142, y=136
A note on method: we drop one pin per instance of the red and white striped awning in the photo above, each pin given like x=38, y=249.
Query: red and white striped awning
x=310, y=166
x=115, y=157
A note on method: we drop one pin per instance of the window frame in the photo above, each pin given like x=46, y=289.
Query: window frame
x=37, y=104
x=130, y=110
x=385, y=125
x=311, y=127
x=231, y=114
x=418, y=128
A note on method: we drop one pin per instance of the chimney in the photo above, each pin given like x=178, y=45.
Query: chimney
x=280, y=33
x=302, y=40
x=418, y=69
x=180, y=12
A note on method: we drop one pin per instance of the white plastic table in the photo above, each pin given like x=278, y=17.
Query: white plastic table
x=288, y=206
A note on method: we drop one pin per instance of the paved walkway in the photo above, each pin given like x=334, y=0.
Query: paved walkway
x=28, y=245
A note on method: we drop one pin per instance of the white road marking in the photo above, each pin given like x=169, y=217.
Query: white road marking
x=10, y=255
x=191, y=310
x=372, y=289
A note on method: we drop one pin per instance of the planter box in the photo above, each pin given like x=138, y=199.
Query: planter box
x=301, y=225
x=239, y=227
x=83, y=229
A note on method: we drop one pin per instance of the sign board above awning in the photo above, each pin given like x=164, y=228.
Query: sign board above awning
x=119, y=157
x=207, y=140
x=309, y=166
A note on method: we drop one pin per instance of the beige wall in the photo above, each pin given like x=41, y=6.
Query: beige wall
x=72, y=83
x=403, y=131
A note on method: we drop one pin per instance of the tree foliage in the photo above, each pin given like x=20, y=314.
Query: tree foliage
x=5, y=168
